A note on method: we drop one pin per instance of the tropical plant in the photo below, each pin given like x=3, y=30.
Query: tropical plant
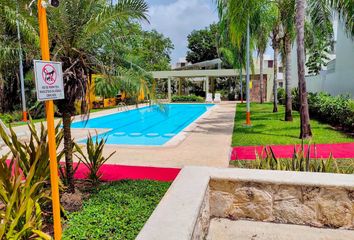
x=94, y=158
x=20, y=195
x=318, y=35
x=305, y=128
x=300, y=161
x=11, y=13
x=79, y=31
x=346, y=12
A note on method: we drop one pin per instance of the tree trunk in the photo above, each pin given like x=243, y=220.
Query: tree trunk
x=288, y=102
x=68, y=148
x=275, y=83
x=305, y=128
x=241, y=93
x=261, y=55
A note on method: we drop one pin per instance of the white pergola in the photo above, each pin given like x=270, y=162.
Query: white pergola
x=206, y=74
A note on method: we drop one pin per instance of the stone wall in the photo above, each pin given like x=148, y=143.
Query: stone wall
x=201, y=227
x=331, y=207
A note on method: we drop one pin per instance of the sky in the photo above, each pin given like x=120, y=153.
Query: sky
x=177, y=18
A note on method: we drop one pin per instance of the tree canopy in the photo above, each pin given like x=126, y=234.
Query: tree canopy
x=202, y=44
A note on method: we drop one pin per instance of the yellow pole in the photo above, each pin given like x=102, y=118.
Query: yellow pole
x=44, y=44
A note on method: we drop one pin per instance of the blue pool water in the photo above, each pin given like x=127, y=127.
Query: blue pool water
x=152, y=126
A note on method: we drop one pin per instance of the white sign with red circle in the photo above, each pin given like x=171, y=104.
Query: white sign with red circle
x=49, y=80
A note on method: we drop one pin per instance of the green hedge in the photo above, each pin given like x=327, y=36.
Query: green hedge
x=116, y=211
x=338, y=110
x=187, y=98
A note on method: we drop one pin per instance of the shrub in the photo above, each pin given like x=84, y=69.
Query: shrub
x=338, y=110
x=11, y=117
x=281, y=95
x=115, y=211
x=94, y=159
x=187, y=98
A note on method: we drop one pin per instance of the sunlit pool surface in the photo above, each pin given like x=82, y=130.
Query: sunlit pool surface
x=153, y=126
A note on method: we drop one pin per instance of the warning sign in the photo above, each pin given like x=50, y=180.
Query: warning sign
x=49, y=80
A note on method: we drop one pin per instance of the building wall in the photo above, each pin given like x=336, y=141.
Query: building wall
x=339, y=79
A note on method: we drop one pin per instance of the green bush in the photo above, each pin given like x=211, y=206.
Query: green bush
x=115, y=211
x=187, y=98
x=281, y=95
x=11, y=117
x=337, y=111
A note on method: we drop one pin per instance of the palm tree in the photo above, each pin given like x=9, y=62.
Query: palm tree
x=287, y=17
x=263, y=25
x=79, y=31
x=9, y=48
x=346, y=10
x=305, y=128
x=276, y=36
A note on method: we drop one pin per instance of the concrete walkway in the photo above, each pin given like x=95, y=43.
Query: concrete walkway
x=224, y=229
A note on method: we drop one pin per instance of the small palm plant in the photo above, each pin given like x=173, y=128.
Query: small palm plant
x=301, y=161
x=94, y=158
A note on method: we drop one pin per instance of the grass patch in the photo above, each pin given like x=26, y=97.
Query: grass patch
x=116, y=211
x=15, y=124
x=270, y=128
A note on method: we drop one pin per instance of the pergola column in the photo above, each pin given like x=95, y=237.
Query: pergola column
x=206, y=85
x=169, y=89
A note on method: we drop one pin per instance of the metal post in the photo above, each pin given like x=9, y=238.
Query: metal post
x=169, y=89
x=248, y=112
x=22, y=81
x=44, y=44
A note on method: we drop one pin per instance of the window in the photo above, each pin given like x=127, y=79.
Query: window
x=281, y=84
x=280, y=69
x=270, y=64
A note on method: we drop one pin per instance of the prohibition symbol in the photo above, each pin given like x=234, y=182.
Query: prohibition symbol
x=49, y=74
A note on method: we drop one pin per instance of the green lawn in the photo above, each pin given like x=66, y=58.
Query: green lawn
x=115, y=211
x=270, y=128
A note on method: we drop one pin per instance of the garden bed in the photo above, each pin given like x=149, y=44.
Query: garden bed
x=116, y=210
x=270, y=128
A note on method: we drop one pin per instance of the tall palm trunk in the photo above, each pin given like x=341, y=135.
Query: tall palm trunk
x=241, y=87
x=305, y=128
x=261, y=57
x=68, y=147
x=275, y=83
x=288, y=102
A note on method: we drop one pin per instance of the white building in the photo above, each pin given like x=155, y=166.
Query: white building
x=338, y=77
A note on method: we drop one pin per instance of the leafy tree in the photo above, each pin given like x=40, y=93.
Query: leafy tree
x=202, y=44
x=153, y=51
x=79, y=30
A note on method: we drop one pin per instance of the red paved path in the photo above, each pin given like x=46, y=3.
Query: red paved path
x=338, y=150
x=111, y=172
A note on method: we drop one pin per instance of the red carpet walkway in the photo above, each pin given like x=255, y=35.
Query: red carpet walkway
x=111, y=172
x=338, y=150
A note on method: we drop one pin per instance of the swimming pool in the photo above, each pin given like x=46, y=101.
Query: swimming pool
x=152, y=126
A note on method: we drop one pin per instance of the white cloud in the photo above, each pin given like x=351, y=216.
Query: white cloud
x=177, y=19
